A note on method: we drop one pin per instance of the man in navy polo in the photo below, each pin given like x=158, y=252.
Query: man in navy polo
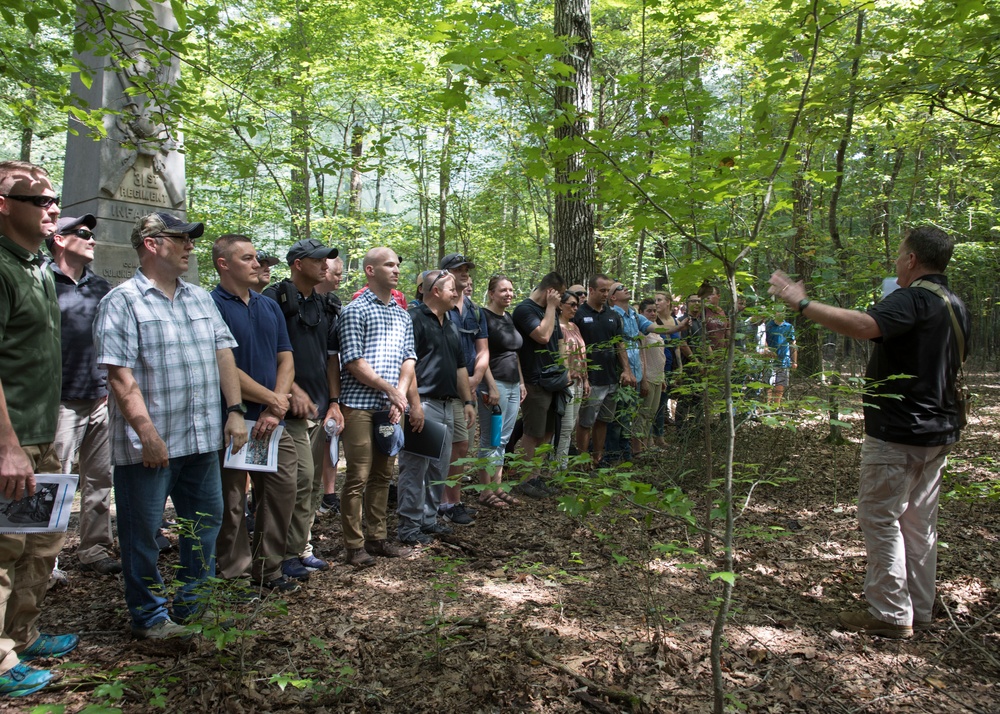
x=266, y=369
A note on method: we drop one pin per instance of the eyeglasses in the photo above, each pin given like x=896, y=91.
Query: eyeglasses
x=81, y=233
x=618, y=288
x=40, y=201
x=442, y=274
x=580, y=293
x=181, y=240
x=571, y=304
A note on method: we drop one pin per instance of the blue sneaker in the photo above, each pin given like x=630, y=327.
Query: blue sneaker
x=311, y=563
x=50, y=646
x=293, y=568
x=21, y=679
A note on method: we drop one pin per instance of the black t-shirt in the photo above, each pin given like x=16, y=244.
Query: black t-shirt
x=439, y=354
x=602, y=331
x=917, y=340
x=312, y=330
x=527, y=316
x=504, y=342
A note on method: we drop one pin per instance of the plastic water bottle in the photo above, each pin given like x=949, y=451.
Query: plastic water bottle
x=496, y=425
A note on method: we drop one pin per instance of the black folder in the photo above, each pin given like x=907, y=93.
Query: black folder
x=429, y=442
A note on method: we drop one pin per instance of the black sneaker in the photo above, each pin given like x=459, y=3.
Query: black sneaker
x=457, y=515
x=283, y=585
x=417, y=539
x=330, y=503
x=293, y=568
x=530, y=489
x=545, y=486
x=104, y=566
x=437, y=529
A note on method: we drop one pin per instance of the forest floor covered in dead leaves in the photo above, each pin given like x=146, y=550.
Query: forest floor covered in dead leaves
x=534, y=610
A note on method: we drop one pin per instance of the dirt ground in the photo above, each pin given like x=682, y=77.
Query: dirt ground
x=532, y=609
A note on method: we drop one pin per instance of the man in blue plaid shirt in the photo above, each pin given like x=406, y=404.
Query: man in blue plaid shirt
x=168, y=353
x=377, y=360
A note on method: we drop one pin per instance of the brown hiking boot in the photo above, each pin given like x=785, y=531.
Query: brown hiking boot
x=387, y=549
x=864, y=622
x=359, y=558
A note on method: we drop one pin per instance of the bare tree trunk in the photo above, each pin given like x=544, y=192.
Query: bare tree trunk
x=299, y=193
x=573, y=226
x=357, y=149
x=836, y=436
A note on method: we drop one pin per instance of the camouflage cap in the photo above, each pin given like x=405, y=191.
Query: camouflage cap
x=156, y=223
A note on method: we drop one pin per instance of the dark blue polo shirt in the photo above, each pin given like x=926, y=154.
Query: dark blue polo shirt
x=439, y=354
x=471, y=324
x=260, y=329
x=82, y=378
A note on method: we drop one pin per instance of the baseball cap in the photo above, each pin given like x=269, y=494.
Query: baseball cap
x=67, y=224
x=388, y=437
x=310, y=248
x=265, y=258
x=156, y=223
x=455, y=260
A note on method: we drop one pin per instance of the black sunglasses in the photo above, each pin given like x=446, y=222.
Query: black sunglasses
x=40, y=201
x=443, y=273
x=81, y=233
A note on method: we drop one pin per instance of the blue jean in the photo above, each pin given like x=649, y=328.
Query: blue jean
x=194, y=484
x=510, y=402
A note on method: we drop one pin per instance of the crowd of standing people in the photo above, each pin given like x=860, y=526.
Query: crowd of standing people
x=160, y=380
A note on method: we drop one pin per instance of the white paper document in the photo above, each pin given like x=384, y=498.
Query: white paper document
x=47, y=511
x=256, y=454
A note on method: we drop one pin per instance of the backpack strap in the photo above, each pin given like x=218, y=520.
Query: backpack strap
x=940, y=292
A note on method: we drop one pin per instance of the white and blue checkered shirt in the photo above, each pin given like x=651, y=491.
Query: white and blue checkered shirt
x=380, y=334
x=170, y=347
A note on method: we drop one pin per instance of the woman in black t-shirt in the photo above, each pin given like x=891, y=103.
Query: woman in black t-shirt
x=505, y=373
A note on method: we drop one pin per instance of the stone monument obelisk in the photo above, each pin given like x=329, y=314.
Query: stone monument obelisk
x=137, y=168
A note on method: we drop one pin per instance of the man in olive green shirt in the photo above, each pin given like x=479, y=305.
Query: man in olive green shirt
x=30, y=381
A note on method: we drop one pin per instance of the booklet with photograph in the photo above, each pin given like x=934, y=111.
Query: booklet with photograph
x=256, y=454
x=47, y=511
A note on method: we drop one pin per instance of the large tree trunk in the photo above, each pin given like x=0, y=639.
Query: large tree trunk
x=573, y=227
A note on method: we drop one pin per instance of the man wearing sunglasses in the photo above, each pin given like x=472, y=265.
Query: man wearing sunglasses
x=168, y=354
x=29, y=407
x=82, y=436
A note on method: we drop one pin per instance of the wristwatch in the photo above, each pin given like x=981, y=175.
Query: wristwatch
x=804, y=303
x=241, y=408
x=470, y=403
x=334, y=400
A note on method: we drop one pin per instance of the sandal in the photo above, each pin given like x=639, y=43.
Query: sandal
x=508, y=498
x=491, y=500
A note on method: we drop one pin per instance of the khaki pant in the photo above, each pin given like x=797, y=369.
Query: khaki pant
x=82, y=437
x=366, y=481
x=274, y=499
x=26, y=561
x=897, y=512
x=307, y=436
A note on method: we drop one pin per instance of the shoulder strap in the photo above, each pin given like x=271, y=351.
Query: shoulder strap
x=940, y=292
